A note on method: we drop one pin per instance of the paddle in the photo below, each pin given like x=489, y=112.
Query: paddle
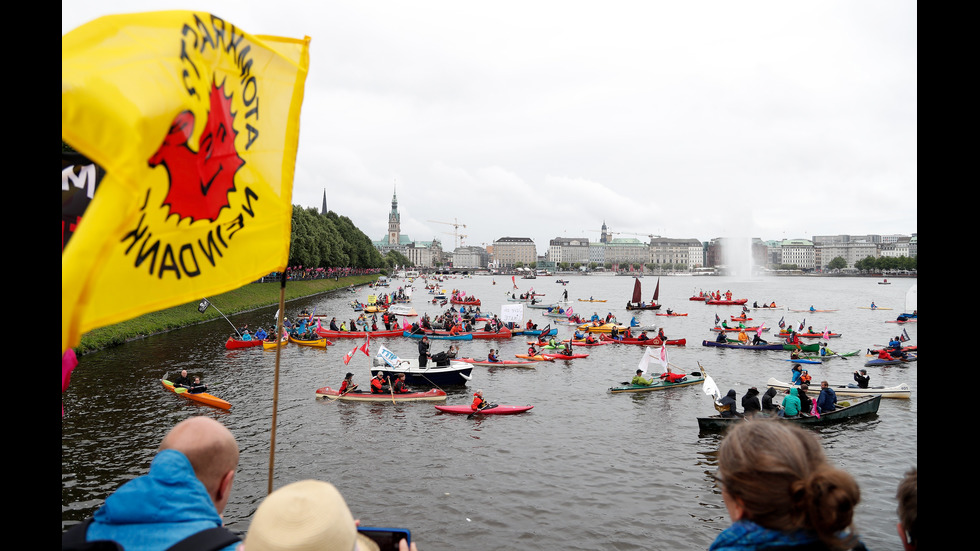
x=481, y=408
x=391, y=389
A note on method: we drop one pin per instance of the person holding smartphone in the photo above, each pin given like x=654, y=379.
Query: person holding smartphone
x=311, y=515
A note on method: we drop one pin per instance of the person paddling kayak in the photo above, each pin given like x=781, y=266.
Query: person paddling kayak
x=479, y=404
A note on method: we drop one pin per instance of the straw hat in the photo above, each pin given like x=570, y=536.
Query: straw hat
x=309, y=515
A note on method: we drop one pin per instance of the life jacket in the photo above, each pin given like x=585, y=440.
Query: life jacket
x=376, y=385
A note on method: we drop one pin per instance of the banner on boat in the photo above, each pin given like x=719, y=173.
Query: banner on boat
x=512, y=313
x=388, y=356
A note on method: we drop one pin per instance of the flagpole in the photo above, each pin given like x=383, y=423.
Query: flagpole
x=275, y=386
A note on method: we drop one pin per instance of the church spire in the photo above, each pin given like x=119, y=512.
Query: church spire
x=323, y=210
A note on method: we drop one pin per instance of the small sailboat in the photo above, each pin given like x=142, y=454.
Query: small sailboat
x=636, y=302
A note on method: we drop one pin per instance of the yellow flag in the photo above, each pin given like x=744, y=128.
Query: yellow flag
x=196, y=124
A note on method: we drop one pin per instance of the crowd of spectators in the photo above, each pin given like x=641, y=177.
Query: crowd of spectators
x=300, y=273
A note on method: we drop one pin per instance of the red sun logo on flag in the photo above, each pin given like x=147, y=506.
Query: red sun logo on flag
x=200, y=181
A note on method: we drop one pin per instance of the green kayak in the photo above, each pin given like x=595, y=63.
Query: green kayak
x=692, y=378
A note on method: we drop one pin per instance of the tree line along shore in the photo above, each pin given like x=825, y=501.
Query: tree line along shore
x=244, y=299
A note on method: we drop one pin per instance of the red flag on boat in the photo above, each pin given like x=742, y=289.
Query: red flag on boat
x=366, y=346
x=349, y=355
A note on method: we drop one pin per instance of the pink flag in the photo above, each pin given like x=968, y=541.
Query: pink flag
x=663, y=355
x=826, y=334
x=759, y=330
x=68, y=363
x=814, y=410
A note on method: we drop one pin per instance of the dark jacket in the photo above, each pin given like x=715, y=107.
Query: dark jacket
x=750, y=402
x=827, y=401
x=767, y=404
x=730, y=404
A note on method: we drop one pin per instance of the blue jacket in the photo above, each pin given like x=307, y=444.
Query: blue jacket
x=746, y=535
x=157, y=509
x=827, y=401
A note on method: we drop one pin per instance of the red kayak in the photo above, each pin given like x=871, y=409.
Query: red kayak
x=502, y=363
x=358, y=334
x=496, y=410
x=565, y=356
x=234, y=343
x=673, y=314
x=724, y=302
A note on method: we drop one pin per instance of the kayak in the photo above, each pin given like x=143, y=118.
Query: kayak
x=877, y=362
x=692, y=378
x=536, y=357
x=499, y=363
x=322, y=342
x=604, y=328
x=655, y=341
x=202, y=397
x=496, y=410
x=232, y=343
x=358, y=334
x=770, y=346
x=807, y=335
x=898, y=391
x=504, y=333
x=565, y=356
x=737, y=329
x=460, y=337
x=733, y=302
x=434, y=395
x=813, y=311
x=272, y=345
x=673, y=314
x=835, y=355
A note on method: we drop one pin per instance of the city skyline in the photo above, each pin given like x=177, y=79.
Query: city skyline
x=769, y=119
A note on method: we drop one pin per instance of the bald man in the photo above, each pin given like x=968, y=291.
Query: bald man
x=182, y=496
x=183, y=380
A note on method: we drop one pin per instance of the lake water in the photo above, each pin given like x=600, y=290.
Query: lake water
x=584, y=469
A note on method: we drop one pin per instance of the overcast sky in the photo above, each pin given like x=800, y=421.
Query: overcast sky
x=704, y=119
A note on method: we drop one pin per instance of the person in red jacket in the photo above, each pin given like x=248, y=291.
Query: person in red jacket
x=377, y=383
x=672, y=377
x=400, y=387
x=348, y=385
x=478, y=401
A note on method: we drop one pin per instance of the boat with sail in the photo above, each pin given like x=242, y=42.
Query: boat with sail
x=636, y=301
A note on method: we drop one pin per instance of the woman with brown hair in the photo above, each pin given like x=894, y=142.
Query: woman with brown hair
x=781, y=493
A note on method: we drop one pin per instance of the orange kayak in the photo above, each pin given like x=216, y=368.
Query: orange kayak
x=202, y=397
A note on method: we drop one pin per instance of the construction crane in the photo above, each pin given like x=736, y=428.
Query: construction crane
x=650, y=235
x=461, y=237
x=456, y=225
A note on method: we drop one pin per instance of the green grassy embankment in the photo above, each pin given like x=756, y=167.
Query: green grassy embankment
x=243, y=299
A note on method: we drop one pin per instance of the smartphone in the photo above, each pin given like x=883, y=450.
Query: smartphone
x=386, y=538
